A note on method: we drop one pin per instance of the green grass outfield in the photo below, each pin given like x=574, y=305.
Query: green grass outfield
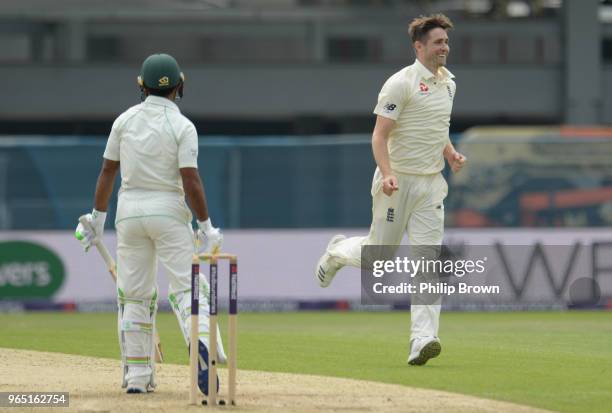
x=556, y=360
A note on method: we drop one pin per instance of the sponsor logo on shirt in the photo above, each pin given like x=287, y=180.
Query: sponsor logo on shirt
x=390, y=107
x=450, y=92
x=424, y=89
x=194, y=153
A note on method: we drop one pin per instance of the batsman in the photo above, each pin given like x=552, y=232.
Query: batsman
x=155, y=148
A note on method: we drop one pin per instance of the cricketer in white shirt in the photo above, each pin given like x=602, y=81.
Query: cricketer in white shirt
x=410, y=142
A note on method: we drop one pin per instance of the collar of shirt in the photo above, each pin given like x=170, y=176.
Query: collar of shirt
x=426, y=73
x=158, y=100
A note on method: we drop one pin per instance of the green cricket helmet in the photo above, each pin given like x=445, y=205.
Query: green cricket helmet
x=160, y=71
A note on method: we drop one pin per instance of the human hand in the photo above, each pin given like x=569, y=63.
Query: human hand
x=456, y=161
x=390, y=184
x=211, y=238
x=90, y=228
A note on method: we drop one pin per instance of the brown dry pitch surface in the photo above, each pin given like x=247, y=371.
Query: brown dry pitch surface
x=94, y=385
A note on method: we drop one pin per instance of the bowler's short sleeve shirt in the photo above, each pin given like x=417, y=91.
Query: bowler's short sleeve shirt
x=420, y=103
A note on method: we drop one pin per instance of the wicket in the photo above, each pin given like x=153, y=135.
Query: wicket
x=212, y=349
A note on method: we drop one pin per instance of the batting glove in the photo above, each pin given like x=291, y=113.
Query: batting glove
x=89, y=234
x=211, y=238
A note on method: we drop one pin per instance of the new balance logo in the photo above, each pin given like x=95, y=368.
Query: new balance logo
x=390, y=215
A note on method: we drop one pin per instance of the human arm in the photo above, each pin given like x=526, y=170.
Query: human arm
x=194, y=192
x=97, y=218
x=383, y=127
x=196, y=198
x=104, y=186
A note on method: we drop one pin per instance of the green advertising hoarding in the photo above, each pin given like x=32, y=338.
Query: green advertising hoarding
x=29, y=271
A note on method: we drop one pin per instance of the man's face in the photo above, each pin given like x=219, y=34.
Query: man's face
x=434, y=49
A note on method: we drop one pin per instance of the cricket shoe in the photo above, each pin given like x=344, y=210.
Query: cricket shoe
x=328, y=266
x=136, y=389
x=423, y=349
x=139, y=381
x=203, y=369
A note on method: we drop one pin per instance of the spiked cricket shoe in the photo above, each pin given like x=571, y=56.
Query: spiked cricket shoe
x=423, y=349
x=328, y=266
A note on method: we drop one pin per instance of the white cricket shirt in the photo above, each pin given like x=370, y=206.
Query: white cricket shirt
x=152, y=141
x=421, y=105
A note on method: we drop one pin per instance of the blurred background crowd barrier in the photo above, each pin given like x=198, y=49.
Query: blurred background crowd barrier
x=516, y=176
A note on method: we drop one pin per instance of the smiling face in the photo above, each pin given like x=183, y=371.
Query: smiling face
x=433, y=50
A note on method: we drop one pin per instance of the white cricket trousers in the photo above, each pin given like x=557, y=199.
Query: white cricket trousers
x=416, y=208
x=154, y=225
x=150, y=226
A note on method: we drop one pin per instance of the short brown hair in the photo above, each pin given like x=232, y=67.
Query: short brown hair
x=421, y=26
